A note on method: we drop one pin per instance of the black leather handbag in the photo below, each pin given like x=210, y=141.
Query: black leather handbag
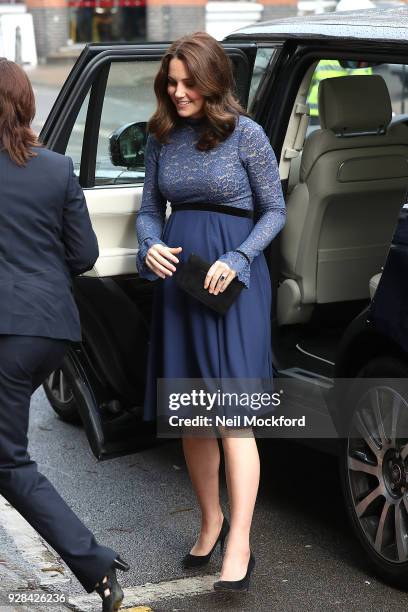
x=190, y=277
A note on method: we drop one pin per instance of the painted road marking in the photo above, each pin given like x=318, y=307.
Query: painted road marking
x=137, y=597
x=45, y=565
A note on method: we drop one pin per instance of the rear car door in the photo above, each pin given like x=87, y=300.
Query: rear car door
x=111, y=86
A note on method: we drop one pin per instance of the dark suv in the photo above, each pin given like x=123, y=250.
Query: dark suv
x=337, y=269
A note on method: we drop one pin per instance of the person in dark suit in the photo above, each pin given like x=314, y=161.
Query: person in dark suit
x=46, y=237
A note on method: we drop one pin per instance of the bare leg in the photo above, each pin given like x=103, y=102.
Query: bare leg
x=203, y=462
x=242, y=474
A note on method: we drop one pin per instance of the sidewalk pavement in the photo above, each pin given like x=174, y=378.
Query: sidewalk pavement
x=28, y=569
x=18, y=584
x=50, y=75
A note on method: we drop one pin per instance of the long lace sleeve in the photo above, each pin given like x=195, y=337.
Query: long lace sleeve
x=151, y=216
x=260, y=162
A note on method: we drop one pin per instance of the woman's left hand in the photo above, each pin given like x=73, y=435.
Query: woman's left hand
x=218, y=277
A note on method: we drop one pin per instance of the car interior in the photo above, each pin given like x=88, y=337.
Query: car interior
x=347, y=182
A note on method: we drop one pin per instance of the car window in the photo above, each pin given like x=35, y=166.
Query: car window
x=263, y=57
x=129, y=98
x=396, y=77
x=74, y=146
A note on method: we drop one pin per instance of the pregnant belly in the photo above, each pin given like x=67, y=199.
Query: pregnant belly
x=206, y=233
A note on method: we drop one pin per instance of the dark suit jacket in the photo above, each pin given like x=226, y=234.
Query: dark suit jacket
x=46, y=236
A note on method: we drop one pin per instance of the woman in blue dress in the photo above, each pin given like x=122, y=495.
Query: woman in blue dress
x=206, y=156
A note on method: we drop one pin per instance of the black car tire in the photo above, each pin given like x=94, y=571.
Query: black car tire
x=58, y=389
x=385, y=541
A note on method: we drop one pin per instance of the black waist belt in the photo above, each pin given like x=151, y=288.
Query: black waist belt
x=220, y=208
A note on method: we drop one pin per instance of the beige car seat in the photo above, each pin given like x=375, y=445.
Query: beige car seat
x=342, y=214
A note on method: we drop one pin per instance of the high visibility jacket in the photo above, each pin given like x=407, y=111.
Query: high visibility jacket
x=327, y=69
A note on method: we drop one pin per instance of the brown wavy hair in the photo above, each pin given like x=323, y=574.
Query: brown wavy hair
x=211, y=71
x=17, y=110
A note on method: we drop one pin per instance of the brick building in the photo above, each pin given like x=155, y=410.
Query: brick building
x=57, y=21
x=168, y=21
x=51, y=24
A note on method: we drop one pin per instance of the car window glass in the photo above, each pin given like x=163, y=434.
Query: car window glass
x=129, y=98
x=263, y=57
x=74, y=147
x=396, y=77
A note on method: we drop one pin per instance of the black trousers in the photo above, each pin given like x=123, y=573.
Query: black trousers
x=25, y=361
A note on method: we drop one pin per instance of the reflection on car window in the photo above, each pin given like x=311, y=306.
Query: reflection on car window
x=74, y=147
x=263, y=57
x=129, y=98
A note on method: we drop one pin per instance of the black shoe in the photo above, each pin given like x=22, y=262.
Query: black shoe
x=199, y=560
x=237, y=585
x=120, y=564
x=112, y=601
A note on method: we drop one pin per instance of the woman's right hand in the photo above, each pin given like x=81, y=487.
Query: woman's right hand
x=159, y=258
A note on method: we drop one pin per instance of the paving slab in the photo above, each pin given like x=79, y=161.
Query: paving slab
x=32, y=577
x=50, y=75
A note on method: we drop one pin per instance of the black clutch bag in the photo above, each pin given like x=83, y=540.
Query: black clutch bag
x=190, y=277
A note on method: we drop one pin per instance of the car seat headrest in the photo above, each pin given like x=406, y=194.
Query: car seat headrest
x=354, y=104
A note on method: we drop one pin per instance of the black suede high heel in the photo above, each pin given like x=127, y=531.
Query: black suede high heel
x=112, y=601
x=199, y=560
x=237, y=585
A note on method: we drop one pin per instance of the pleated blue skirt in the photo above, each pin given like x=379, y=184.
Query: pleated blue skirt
x=188, y=339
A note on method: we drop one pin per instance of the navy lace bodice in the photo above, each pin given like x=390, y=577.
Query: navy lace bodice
x=242, y=171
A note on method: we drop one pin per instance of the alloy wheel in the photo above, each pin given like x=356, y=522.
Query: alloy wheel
x=59, y=387
x=377, y=458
